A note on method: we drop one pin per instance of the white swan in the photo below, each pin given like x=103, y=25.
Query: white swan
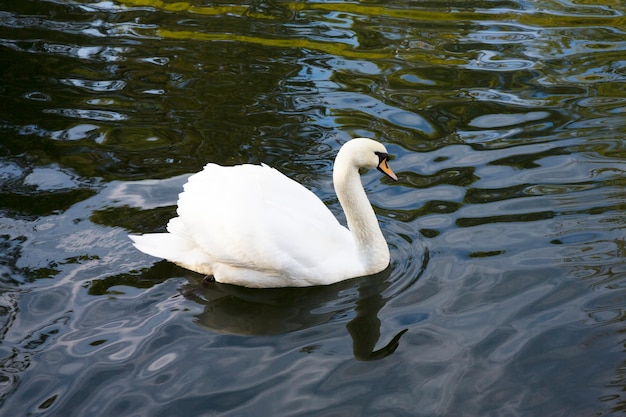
x=250, y=225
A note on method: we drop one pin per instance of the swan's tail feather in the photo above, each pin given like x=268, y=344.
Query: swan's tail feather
x=177, y=249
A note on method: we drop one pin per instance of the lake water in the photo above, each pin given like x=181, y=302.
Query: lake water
x=506, y=119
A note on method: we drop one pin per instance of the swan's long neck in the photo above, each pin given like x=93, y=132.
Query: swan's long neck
x=362, y=222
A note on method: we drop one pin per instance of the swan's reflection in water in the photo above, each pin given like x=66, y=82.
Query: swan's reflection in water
x=365, y=327
x=261, y=312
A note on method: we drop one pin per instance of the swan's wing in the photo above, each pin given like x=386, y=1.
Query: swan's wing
x=254, y=217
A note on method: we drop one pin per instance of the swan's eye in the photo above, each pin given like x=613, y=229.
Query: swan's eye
x=382, y=156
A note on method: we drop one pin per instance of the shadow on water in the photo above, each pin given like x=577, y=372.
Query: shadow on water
x=229, y=309
x=262, y=312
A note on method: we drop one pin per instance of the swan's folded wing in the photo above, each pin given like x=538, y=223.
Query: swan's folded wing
x=252, y=215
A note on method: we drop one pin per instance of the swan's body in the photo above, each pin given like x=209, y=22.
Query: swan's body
x=250, y=225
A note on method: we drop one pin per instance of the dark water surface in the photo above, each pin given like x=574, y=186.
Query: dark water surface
x=507, y=121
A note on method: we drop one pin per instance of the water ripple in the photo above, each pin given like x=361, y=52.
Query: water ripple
x=505, y=120
x=101, y=115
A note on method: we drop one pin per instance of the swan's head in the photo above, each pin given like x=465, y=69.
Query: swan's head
x=366, y=153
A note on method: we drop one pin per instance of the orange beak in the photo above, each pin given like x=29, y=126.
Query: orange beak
x=383, y=167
